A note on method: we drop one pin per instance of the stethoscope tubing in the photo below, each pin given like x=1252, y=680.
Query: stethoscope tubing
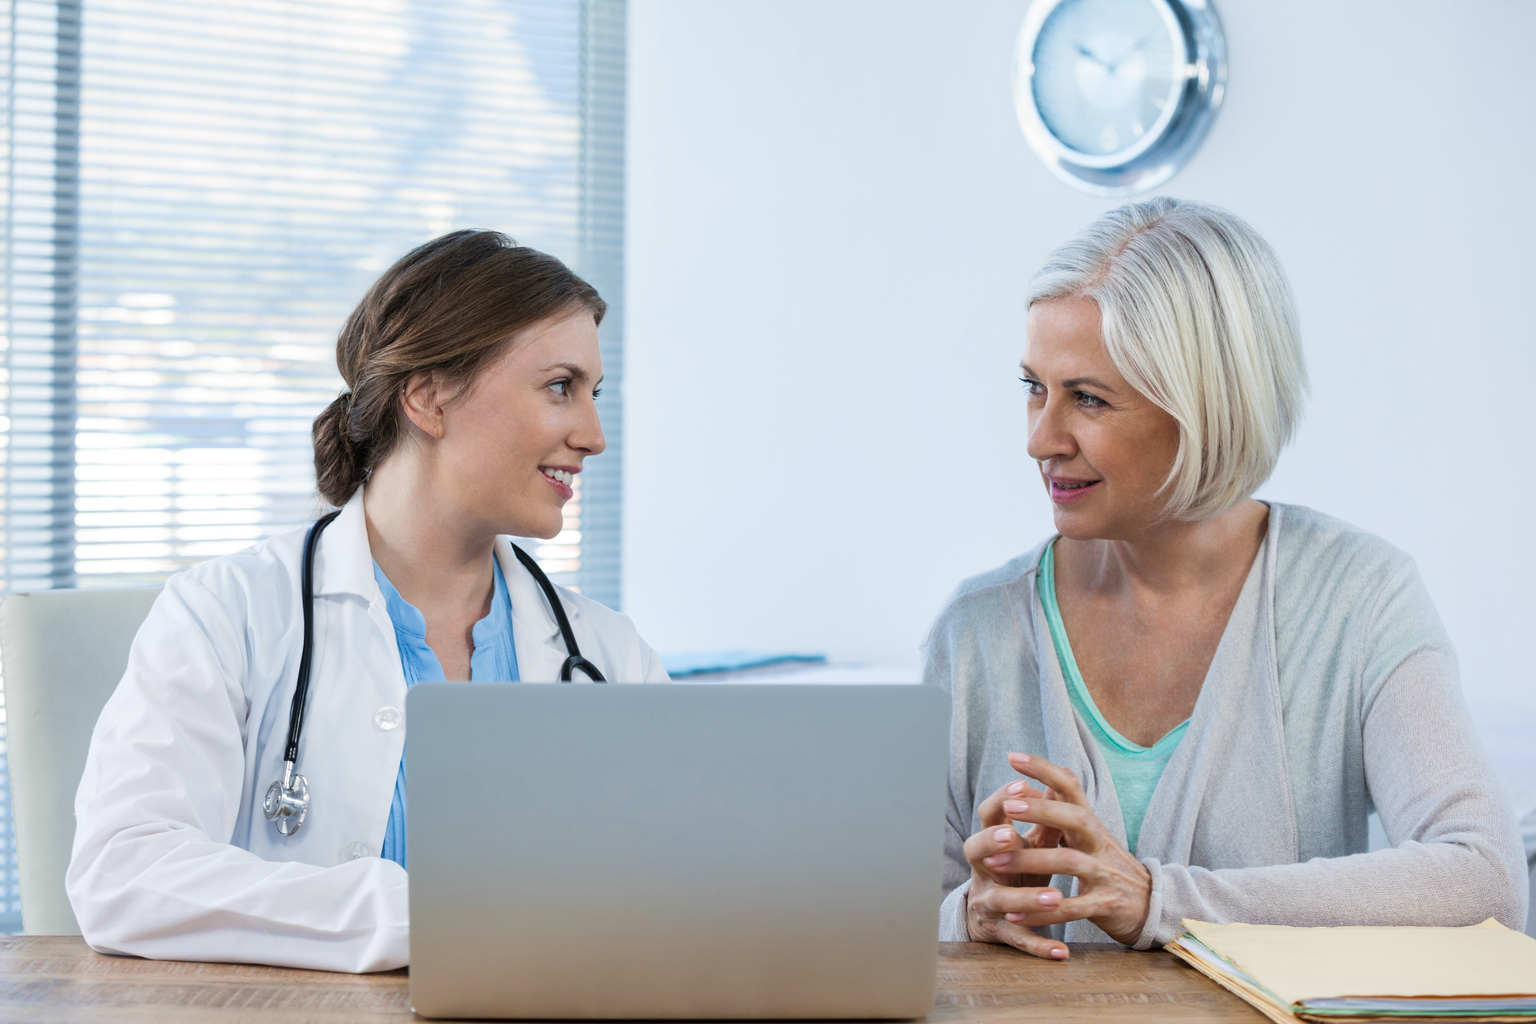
x=574, y=659
x=306, y=653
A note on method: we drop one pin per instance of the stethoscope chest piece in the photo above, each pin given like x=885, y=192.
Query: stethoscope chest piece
x=287, y=801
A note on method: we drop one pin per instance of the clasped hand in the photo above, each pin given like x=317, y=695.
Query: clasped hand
x=1011, y=892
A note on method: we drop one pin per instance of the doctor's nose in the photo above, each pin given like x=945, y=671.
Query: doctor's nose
x=588, y=436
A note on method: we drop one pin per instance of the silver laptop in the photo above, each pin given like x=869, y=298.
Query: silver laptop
x=685, y=851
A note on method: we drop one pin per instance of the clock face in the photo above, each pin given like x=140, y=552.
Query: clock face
x=1107, y=73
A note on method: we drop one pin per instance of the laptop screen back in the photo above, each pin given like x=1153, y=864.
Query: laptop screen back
x=683, y=851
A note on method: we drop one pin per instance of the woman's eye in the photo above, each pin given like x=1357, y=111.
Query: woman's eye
x=1090, y=401
x=1032, y=387
x=561, y=387
x=597, y=392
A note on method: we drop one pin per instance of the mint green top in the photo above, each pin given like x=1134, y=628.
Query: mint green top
x=1135, y=769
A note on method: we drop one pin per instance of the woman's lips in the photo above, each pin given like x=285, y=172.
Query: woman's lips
x=561, y=486
x=1065, y=492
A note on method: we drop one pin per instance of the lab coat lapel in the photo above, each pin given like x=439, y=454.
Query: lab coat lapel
x=343, y=559
x=344, y=565
x=535, y=634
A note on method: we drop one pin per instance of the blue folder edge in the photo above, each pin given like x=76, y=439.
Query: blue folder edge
x=683, y=664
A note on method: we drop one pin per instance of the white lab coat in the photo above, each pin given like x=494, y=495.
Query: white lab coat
x=173, y=858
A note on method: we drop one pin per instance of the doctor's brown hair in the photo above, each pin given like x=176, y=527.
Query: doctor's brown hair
x=450, y=305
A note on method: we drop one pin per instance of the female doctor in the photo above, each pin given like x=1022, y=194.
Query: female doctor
x=471, y=367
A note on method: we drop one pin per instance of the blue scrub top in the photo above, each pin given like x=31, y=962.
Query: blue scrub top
x=493, y=661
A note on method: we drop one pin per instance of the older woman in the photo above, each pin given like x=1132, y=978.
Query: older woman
x=1187, y=702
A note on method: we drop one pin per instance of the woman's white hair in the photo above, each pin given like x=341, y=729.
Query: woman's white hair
x=1196, y=314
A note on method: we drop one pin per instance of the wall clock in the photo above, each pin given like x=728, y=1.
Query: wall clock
x=1116, y=95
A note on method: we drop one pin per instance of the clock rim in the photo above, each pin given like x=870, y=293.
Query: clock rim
x=1194, y=110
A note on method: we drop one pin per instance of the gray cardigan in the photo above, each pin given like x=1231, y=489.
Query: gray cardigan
x=1334, y=689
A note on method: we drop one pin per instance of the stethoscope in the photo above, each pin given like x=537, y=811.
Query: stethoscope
x=288, y=801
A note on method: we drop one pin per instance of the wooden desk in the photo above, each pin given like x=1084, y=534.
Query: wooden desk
x=57, y=979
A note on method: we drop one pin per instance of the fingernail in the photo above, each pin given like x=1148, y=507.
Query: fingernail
x=1015, y=918
x=1059, y=953
x=1020, y=757
x=1016, y=806
x=1049, y=899
x=1016, y=788
x=997, y=860
x=1003, y=835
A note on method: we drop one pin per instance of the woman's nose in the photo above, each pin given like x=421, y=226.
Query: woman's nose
x=588, y=437
x=1048, y=436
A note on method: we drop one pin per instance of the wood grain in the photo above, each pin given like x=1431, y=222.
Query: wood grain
x=46, y=979
x=996, y=985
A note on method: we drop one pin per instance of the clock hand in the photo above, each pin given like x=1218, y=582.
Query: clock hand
x=1128, y=54
x=1093, y=57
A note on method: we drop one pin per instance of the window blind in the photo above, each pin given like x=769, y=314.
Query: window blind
x=196, y=194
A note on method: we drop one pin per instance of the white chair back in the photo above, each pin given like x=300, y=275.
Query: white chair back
x=1528, y=833
x=1530, y=914
x=62, y=652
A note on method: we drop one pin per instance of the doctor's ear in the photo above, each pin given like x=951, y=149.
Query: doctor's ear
x=422, y=397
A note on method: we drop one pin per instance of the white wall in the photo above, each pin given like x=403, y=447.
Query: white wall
x=832, y=214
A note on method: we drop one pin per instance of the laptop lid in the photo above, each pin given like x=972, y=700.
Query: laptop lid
x=687, y=851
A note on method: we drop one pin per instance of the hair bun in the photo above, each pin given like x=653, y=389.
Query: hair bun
x=338, y=469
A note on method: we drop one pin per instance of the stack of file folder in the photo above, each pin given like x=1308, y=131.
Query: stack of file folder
x=1483, y=972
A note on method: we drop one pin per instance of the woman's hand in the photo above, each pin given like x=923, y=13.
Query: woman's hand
x=996, y=894
x=1010, y=874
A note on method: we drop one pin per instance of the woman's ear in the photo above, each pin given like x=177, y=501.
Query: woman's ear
x=421, y=398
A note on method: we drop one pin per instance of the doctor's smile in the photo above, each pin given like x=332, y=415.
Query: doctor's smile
x=561, y=478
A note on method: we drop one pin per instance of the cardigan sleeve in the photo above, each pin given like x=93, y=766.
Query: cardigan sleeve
x=1456, y=856
x=955, y=884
